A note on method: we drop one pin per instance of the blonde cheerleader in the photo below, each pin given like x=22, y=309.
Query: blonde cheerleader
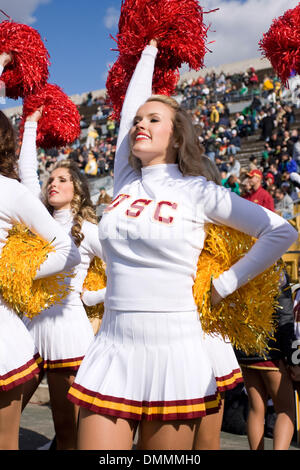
x=63, y=332
x=19, y=357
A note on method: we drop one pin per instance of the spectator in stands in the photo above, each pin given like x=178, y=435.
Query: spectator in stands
x=104, y=198
x=245, y=187
x=284, y=205
x=91, y=136
x=296, y=147
x=234, y=166
x=287, y=164
x=110, y=124
x=253, y=165
x=277, y=175
x=268, y=86
x=102, y=165
x=253, y=78
x=275, y=140
x=290, y=187
x=89, y=99
x=221, y=165
x=91, y=168
x=267, y=126
x=272, y=189
x=232, y=183
x=214, y=115
x=258, y=194
x=269, y=180
x=234, y=143
x=243, y=90
x=210, y=145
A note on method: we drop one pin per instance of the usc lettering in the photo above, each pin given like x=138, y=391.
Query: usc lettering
x=138, y=206
x=159, y=217
x=118, y=200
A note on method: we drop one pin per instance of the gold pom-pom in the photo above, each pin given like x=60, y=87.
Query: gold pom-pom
x=21, y=257
x=95, y=280
x=246, y=317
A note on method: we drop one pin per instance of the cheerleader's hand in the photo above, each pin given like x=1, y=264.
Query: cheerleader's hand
x=215, y=297
x=153, y=43
x=5, y=58
x=93, y=297
x=36, y=116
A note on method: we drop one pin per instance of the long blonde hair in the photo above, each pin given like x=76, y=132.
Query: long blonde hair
x=81, y=205
x=190, y=153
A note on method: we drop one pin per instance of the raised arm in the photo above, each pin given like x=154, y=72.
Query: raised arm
x=28, y=210
x=274, y=235
x=139, y=90
x=28, y=163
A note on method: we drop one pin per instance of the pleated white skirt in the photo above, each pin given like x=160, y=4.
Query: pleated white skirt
x=153, y=366
x=62, y=335
x=19, y=357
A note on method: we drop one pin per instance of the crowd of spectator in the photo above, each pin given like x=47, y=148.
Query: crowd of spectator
x=269, y=118
x=270, y=177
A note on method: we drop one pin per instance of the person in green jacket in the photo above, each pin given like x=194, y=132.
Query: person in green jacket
x=232, y=183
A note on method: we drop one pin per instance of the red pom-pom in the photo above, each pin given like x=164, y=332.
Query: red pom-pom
x=164, y=83
x=28, y=71
x=179, y=28
x=60, y=121
x=281, y=44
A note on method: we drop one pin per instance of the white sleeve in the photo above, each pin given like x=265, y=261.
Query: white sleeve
x=274, y=234
x=28, y=165
x=27, y=209
x=139, y=90
x=1, y=69
x=91, y=237
x=91, y=298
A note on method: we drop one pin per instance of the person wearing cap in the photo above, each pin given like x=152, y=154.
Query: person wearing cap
x=269, y=180
x=258, y=194
x=276, y=174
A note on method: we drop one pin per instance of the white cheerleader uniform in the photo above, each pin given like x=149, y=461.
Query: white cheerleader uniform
x=19, y=357
x=151, y=359
x=63, y=332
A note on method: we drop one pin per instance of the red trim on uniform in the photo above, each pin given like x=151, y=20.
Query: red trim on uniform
x=230, y=385
x=262, y=364
x=125, y=401
x=63, y=364
x=32, y=371
x=145, y=404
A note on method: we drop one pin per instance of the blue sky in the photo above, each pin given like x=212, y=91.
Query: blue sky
x=77, y=34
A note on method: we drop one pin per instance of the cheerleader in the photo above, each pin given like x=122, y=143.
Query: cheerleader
x=149, y=363
x=270, y=376
x=63, y=333
x=19, y=357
